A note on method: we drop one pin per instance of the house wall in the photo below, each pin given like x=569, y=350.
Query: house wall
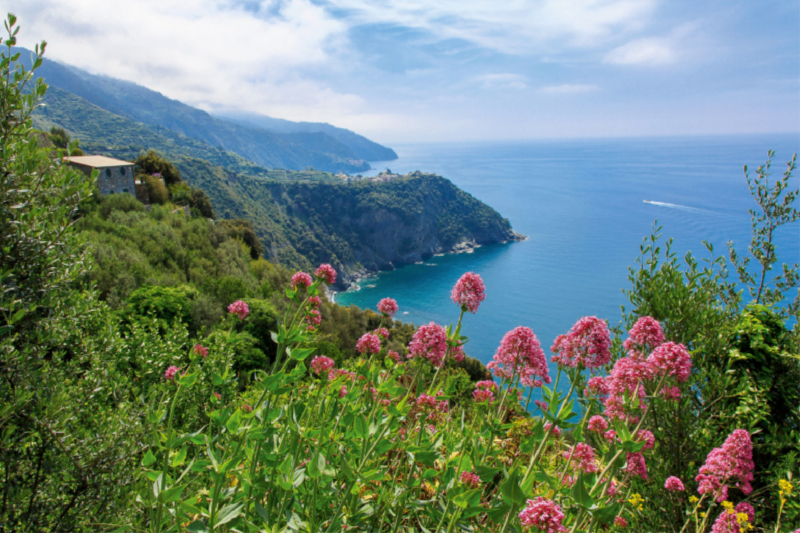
x=110, y=180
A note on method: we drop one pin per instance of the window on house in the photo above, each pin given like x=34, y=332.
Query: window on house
x=124, y=190
x=122, y=171
x=108, y=172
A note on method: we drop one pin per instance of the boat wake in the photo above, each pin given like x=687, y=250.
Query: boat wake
x=677, y=206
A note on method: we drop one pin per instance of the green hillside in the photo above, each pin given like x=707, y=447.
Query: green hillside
x=291, y=150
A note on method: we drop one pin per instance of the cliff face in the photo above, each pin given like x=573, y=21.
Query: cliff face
x=369, y=226
x=358, y=227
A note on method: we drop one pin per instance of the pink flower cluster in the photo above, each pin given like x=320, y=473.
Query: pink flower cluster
x=544, y=515
x=170, y=373
x=199, y=349
x=313, y=318
x=728, y=466
x=239, y=308
x=457, y=352
x=326, y=273
x=645, y=335
x=429, y=342
x=394, y=356
x=468, y=292
x=382, y=333
x=727, y=521
x=598, y=423
x=520, y=355
x=388, y=306
x=368, y=344
x=635, y=465
x=674, y=484
x=588, y=344
x=583, y=458
x=470, y=479
x=484, y=392
x=300, y=279
x=648, y=438
x=672, y=359
x=321, y=364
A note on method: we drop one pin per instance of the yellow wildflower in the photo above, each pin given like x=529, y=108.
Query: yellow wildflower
x=693, y=499
x=727, y=505
x=636, y=500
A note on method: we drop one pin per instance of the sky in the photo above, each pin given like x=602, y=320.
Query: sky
x=402, y=71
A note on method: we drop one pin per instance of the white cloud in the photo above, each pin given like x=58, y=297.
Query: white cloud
x=205, y=53
x=569, y=88
x=512, y=26
x=501, y=81
x=652, y=51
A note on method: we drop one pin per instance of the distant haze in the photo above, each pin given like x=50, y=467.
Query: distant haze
x=413, y=70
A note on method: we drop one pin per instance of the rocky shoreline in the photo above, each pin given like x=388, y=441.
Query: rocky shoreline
x=347, y=279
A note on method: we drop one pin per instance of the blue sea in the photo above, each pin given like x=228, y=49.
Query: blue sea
x=585, y=206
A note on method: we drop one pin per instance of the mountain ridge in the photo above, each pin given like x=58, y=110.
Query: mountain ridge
x=293, y=150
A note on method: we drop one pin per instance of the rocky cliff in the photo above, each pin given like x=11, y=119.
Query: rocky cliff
x=358, y=226
x=366, y=226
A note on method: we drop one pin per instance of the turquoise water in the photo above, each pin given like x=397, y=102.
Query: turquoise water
x=582, y=205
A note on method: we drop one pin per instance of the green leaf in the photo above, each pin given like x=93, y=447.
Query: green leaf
x=262, y=512
x=468, y=499
x=233, y=422
x=148, y=459
x=606, y=515
x=170, y=495
x=361, y=427
x=216, y=379
x=511, y=491
x=497, y=514
x=301, y=354
x=580, y=494
x=317, y=465
x=188, y=380
x=179, y=458
x=346, y=469
x=197, y=527
x=226, y=514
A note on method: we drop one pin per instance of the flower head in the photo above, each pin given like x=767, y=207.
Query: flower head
x=429, y=342
x=545, y=515
x=470, y=479
x=394, y=356
x=239, y=308
x=170, y=373
x=635, y=465
x=583, y=458
x=199, y=349
x=672, y=359
x=645, y=335
x=326, y=273
x=300, y=279
x=747, y=509
x=598, y=423
x=674, y=484
x=620, y=521
x=520, y=355
x=388, y=306
x=484, y=392
x=321, y=364
x=588, y=344
x=468, y=292
x=382, y=333
x=728, y=466
x=369, y=343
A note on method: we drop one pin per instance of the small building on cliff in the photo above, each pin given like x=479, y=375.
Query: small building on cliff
x=114, y=176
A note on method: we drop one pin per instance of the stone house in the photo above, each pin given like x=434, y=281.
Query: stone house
x=114, y=176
